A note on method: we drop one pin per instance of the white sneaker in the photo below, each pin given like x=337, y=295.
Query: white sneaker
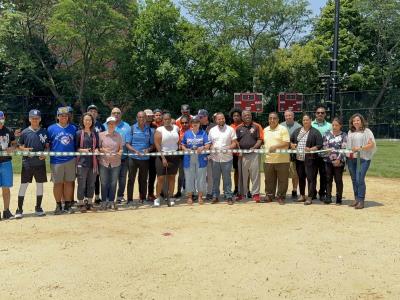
x=156, y=202
x=172, y=201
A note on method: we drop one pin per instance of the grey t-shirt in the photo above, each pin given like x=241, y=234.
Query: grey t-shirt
x=359, y=139
x=291, y=128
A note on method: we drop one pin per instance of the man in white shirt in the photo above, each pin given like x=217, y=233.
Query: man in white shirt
x=222, y=137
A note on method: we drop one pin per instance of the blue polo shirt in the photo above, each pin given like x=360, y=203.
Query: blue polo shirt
x=200, y=139
x=62, y=139
x=123, y=129
x=140, y=139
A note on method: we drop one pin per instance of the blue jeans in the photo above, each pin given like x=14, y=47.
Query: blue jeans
x=123, y=172
x=358, y=178
x=225, y=169
x=108, y=178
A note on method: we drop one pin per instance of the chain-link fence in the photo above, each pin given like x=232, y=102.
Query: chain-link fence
x=383, y=117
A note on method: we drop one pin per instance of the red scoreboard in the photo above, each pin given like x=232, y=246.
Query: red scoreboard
x=290, y=101
x=249, y=101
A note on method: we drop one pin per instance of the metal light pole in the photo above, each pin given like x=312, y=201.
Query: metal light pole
x=334, y=62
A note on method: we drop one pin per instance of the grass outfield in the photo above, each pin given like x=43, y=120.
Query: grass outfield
x=384, y=164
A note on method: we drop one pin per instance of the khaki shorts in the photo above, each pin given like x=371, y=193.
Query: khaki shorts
x=64, y=172
x=292, y=170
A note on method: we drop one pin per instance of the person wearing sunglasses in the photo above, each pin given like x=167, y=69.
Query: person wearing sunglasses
x=323, y=127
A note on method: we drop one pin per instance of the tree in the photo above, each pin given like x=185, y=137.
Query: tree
x=87, y=34
x=25, y=40
x=254, y=26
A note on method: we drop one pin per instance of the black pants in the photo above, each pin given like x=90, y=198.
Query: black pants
x=97, y=186
x=181, y=177
x=337, y=174
x=307, y=170
x=320, y=164
x=143, y=167
x=152, y=175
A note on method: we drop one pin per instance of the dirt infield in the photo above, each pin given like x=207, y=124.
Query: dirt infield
x=245, y=251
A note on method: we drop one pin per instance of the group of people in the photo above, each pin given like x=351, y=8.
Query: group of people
x=113, y=154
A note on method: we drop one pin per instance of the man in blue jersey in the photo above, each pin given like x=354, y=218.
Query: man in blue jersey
x=62, y=139
x=99, y=127
x=123, y=129
x=34, y=138
x=139, y=142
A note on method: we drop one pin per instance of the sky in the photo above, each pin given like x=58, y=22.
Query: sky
x=316, y=5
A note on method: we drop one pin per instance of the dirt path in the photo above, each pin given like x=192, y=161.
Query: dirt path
x=245, y=251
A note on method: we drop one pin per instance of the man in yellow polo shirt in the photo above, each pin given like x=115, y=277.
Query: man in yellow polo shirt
x=276, y=165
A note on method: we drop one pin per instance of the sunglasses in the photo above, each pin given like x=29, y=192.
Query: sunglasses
x=320, y=112
x=184, y=123
x=116, y=113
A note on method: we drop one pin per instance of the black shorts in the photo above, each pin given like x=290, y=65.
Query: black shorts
x=29, y=172
x=173, y=165
x=235, y=162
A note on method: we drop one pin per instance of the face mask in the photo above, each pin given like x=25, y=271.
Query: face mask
x=2, y=121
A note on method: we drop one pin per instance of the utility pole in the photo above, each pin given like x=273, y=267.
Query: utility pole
x=334, y=62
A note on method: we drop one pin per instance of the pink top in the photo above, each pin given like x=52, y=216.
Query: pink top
x=113, y=143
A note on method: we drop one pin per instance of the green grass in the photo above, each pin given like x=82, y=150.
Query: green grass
x=385, y=163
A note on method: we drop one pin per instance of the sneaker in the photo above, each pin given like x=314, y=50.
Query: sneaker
x=239, y=198
x=129, y=203
x=7, y=214
x=209, y=197
x=294, y=194
x=19, y=214
x=97, y=201
x=214, y=200
x=58, y=210
x=156, y=202
x=178, y=195
x=248, y=195
x=256, y=198
x=328, y=200
x=230, y=201
x=172, y=202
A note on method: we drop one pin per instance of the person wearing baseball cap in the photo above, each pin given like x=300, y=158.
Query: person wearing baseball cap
x=185, y=111
x=7, y=143
x=110, y=141
x=123, y=129
x=98, y=127
x=33, y=138
x=61, y=137
x=206, y=126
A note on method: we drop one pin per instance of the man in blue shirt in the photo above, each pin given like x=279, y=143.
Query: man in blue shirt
x=323, y=127
x=123, y=129
x=61, y=137
x=140, y=141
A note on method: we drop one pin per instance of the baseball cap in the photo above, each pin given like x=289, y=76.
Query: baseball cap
x=157, y=110
x=34, y=113
x=2, y=115
x=148, y=112
x=92, y=106
x=185, y=107
x=62, y=110
x=202, y=113
x=195, y=119
x=111, y=119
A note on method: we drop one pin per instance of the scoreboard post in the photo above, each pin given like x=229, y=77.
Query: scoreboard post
x=249, y=101
x=290, y=101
